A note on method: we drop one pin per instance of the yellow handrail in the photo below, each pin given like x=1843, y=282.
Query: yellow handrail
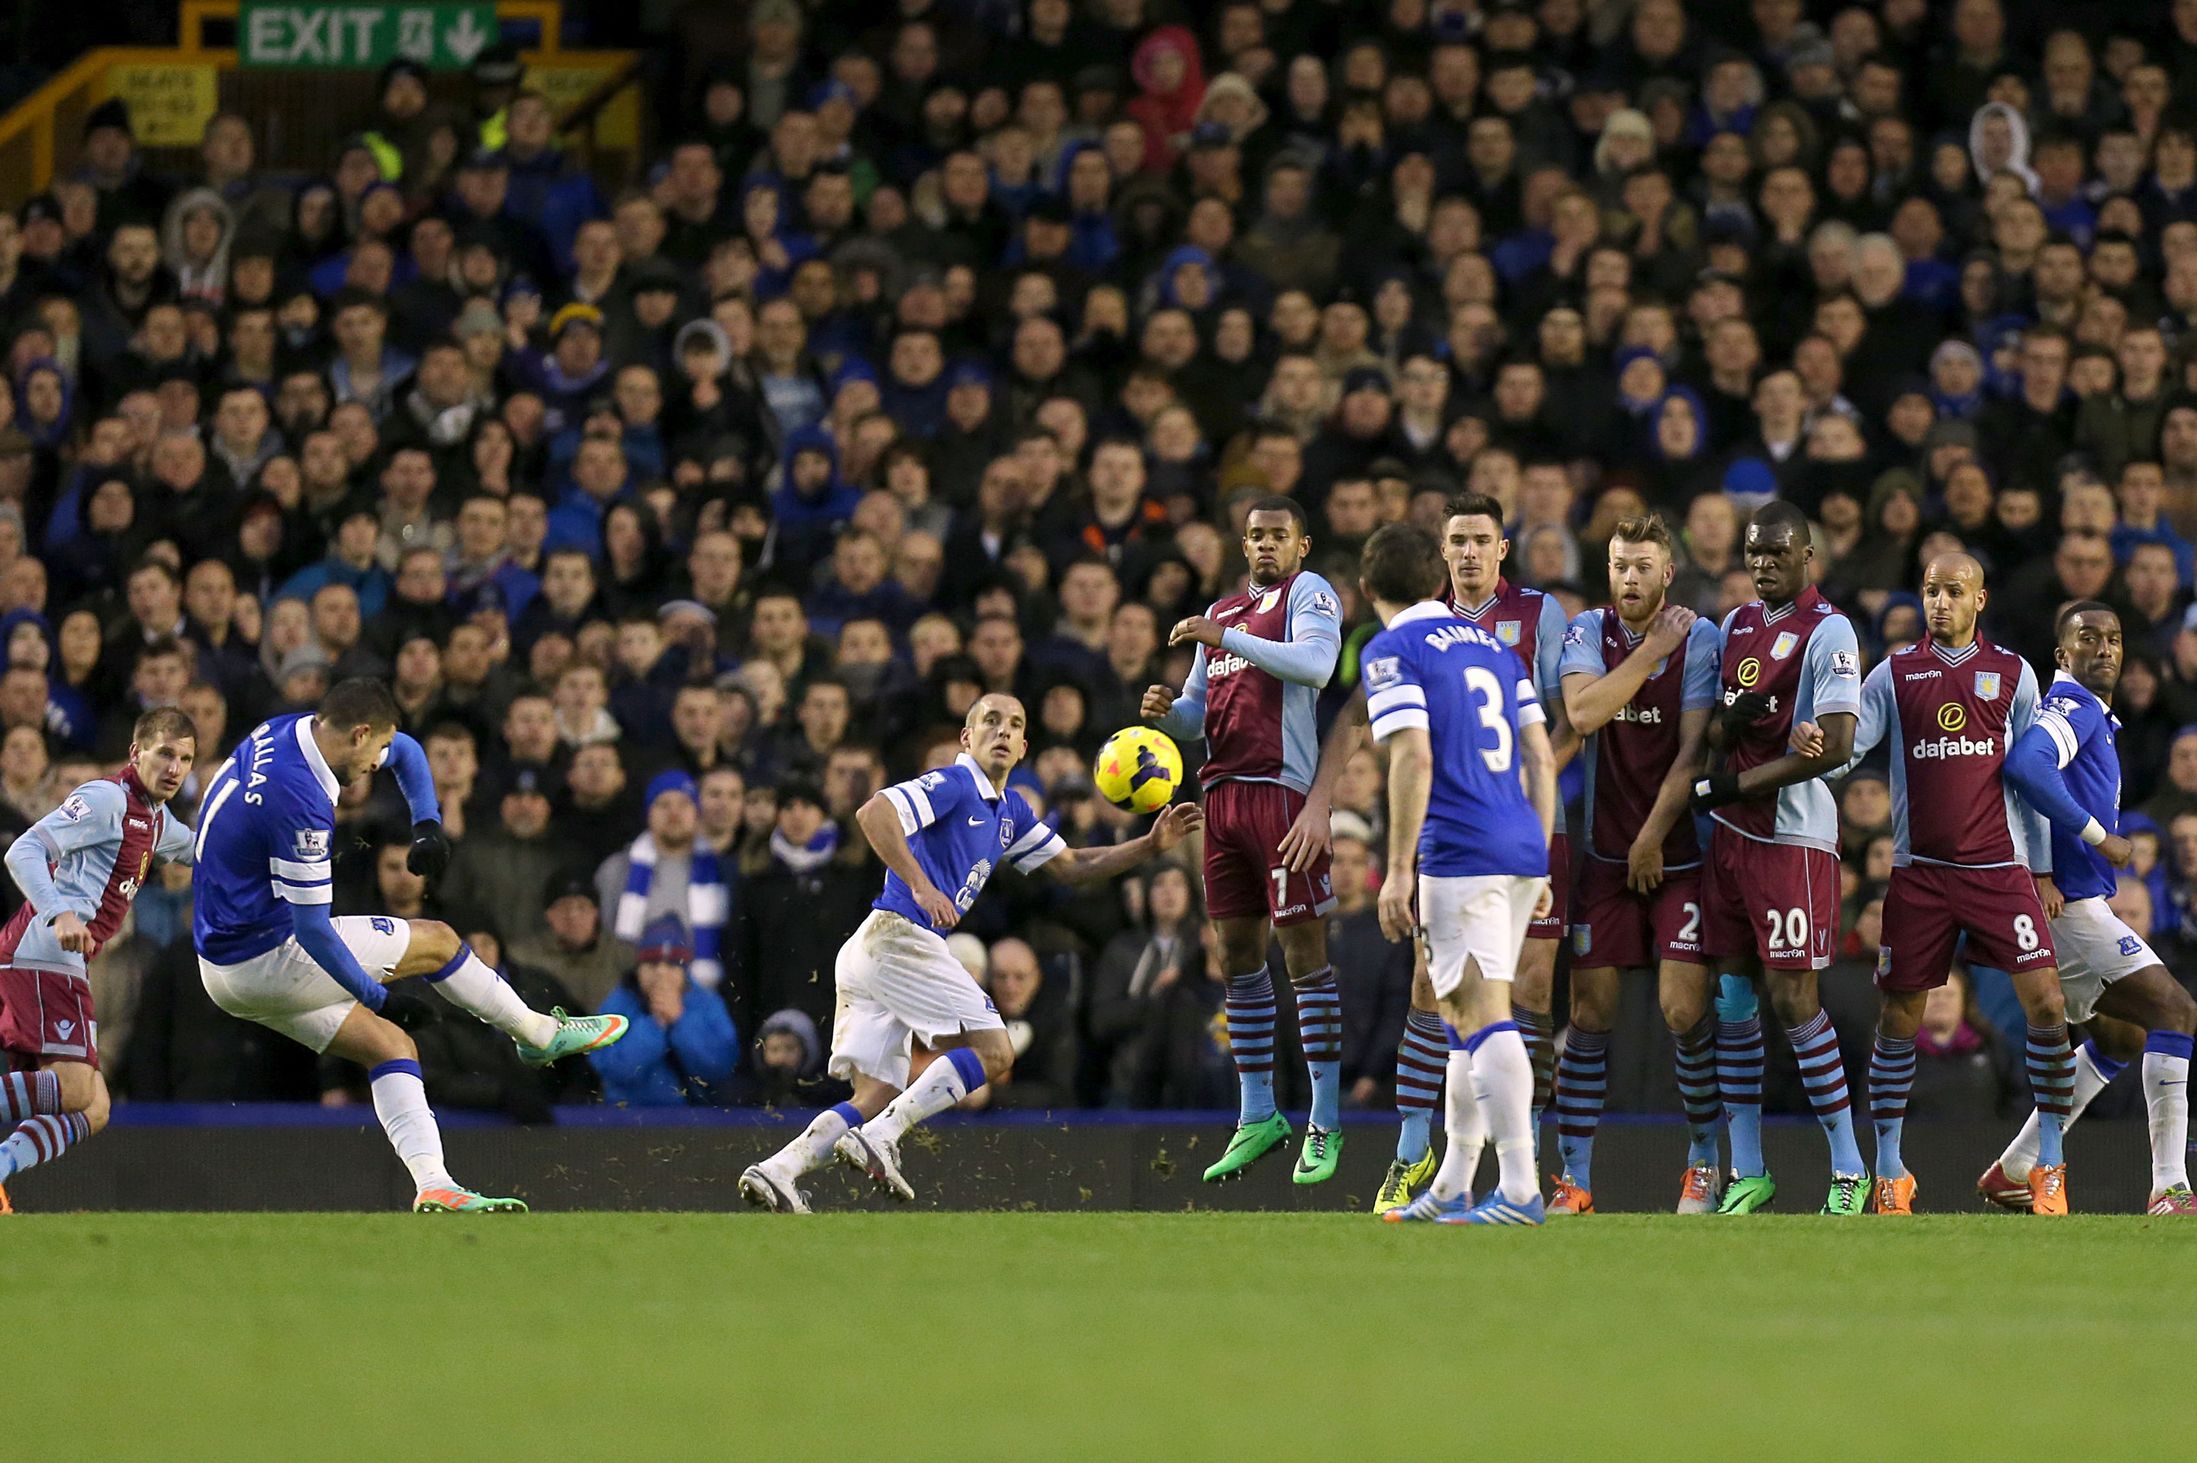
x=547, y=14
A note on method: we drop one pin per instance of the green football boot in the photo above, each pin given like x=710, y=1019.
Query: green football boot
x=1405, y=1181
x=1248, y=1145
x=1849, y=1195
x=1322, y=1151
x=575, y=1035
x=1747, y=1194
x=463, y=1201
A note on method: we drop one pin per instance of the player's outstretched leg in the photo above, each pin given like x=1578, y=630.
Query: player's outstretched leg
x=47, y=1112
x=772, y=1184
x=392, y=1065
x=465, y=981
x=1740, y=1058
x=1419, y=1060
x=1823, y=1078
x=1249, y=1004
x=874, y=1147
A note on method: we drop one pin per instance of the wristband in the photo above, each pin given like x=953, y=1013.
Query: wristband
x=2094, y=833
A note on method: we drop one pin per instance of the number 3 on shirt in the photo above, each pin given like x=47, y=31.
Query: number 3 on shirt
x=1481, y=683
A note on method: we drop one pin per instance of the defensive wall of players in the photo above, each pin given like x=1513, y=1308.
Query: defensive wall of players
x=160, y=1157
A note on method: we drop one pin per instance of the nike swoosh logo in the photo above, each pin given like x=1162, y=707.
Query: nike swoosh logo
x=976, y=822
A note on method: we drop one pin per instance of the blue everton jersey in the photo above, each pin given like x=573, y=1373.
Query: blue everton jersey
x=2081, y=731
x=961, y=828
x=1470, y=693
x=268, y=820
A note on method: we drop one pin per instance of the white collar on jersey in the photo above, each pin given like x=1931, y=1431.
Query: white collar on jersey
x=1425, y=609
x=983, y=778
x=1956, y=657
x=316, y=761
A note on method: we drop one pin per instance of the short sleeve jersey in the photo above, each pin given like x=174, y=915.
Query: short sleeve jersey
x=1446, y=676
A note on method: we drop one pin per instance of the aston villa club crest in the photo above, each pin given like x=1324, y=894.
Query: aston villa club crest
x=1507, y=631
x=1987, y=685
x=1271, y=598
x=1783, y=645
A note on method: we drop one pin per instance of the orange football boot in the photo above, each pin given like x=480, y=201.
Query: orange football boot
x=1893, y=1196
x=2048, y=1189
x=1569, y=1198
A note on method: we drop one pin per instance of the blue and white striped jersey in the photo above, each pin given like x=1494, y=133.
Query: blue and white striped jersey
x=1432, y=670
x=264, y=837
x=960, y=828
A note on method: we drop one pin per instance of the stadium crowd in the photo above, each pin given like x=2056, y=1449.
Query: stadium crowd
x=940, y=349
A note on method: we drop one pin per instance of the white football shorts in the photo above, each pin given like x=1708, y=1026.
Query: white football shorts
x=1476, y=917
x=2096, y=949
x=285, y=989
x=897, y=980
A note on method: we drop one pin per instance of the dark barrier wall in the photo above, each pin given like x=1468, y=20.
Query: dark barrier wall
x=1074, y=1161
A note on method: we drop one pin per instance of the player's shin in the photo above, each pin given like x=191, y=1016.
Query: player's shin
x=1419, y=1060
x=2166, y=1096
x=1320, y=1032
x=1739, y=1062
x=1697, y=1091
x=400, y=1102
x=943, y=1083
x=1250, y=1007
x=41, y=1139
x=1823, y=1077
x=1582, y=1080
x=26, y=1095
x=467, y=983
x=1503, y=1077
x=1891, y=1079
x=2052, y=1082
x=2094, y=1072
x=813, y=1148
x=1537, y=1029
x=1464, y=1122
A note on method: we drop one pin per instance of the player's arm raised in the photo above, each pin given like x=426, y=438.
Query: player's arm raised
x=881, y=821
x=430, y=853
x=1591, y=699
x=1311, y=833
x=1307, y=658
x=1086, y=865
x=2035, y=763
x=1181, y=717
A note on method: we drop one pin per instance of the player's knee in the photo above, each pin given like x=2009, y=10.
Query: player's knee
x=1683, y=1008
x=1593, y=1004
x=997, y=1054
x=79, y=1086
x=1794, y=1000
x=433, y=944
x=1736, y=999
x=99, y=1109
x=2177, y=1010
x=2044, y=1004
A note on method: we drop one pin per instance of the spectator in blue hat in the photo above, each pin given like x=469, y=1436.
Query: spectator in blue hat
x=667, y=870
x=682, y=1045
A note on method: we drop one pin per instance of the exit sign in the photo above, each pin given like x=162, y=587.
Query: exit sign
x=366, y=36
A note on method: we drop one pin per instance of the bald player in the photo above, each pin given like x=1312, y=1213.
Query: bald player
x=941, y=836
x=1963, y=847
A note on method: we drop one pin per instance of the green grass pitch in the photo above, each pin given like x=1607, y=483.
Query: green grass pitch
x=1122, y=1337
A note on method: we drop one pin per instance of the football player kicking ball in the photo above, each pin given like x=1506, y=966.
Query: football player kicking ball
x=269, y=952
x=1962, y=847
x=1639, y=680
x=2067, y=768
x=1770, y=888
x=1467, y=856
x=1253, y=695
x=78, y=867
x=946, y=830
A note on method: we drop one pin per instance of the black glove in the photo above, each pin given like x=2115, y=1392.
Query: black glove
x=430, y=853
x=1747, y=708
x=1714, y=791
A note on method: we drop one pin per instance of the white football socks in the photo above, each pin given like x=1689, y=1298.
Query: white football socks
x=943, y=1083
x=1504, y=1075
x=474, y=987
x=400, y=1101
x=1467, y=1130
